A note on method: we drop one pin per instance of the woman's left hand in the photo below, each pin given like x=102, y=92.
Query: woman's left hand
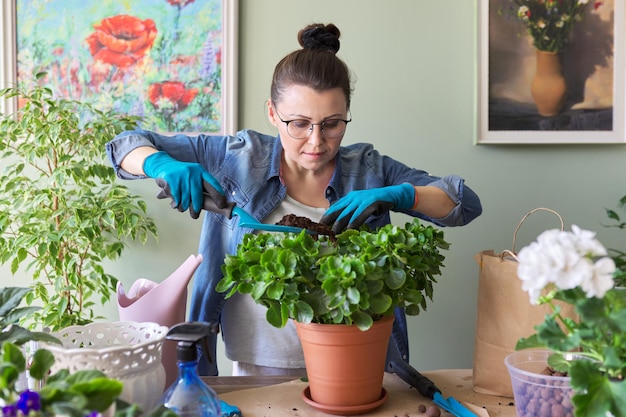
x=352, y=210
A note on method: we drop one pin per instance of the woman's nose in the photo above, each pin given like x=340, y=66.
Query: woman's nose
x=317, y=135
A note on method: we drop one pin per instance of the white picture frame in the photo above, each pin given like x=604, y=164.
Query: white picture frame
x=506, y=65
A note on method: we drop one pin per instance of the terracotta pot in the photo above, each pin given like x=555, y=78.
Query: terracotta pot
x=548, y=86
x=345, y=366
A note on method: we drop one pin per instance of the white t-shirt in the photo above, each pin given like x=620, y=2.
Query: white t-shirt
x=247, y=335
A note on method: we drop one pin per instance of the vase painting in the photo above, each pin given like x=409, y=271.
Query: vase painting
x=548, y=87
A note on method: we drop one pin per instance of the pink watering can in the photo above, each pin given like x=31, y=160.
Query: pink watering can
x=164, y=303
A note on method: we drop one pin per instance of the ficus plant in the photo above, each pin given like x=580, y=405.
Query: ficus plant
x=62, y=213
x=356, y=279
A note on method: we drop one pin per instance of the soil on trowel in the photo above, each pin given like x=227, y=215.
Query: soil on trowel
x=306, y=223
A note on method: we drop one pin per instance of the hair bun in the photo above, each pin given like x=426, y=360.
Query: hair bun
x=321, y=37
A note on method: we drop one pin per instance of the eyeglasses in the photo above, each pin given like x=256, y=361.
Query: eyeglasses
x=301, y=129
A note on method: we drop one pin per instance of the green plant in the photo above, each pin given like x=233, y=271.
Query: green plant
x=74, y=395
x=10, y=315
x=61, y=211
x=549, y=22
x=618, y=255
x=574, y=267
x=357, y=279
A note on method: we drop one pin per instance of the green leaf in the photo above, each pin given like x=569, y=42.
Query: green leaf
x=529, y=342
x=41, y=363
x=10, y=298
x=275, y=290
x=380, y=303
x=100, y=392
x=595, y=392
x=303, y=312
x=9, y=373
x=353, y=295
x=13, y=355
x=396, y=278
x=274, y=315
x=363, y=321
x=552, y=335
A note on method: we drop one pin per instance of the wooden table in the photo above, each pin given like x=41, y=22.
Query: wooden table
x=280, y=396
x=224, y=384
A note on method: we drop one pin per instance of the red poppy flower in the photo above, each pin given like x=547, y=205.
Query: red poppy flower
x=121, y=40
x=180, y=3
x=172, y=91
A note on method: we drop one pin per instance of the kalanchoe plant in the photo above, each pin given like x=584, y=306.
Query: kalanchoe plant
x=574, y=267
x=360, y=277
x=61, y=211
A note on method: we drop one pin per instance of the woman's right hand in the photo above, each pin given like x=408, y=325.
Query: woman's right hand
x=184, y=182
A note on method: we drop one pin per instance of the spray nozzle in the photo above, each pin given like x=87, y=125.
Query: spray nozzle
x=188, y=335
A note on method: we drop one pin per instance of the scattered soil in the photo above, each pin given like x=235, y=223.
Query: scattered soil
x=306, y=223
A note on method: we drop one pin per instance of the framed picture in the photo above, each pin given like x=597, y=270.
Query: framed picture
x=171, y=62
x=551, y=72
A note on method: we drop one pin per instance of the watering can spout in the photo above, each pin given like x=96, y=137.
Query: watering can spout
x=170, y=294
x=164, y=303
x=139, y=288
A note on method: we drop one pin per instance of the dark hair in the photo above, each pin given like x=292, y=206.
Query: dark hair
x=316, y=65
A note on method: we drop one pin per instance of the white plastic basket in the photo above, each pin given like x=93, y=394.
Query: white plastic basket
x=127, y=351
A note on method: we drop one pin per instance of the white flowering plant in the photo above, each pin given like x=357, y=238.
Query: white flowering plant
x=574, y=267
x=549, y=22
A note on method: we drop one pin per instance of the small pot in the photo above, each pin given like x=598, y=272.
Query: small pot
x=537, y=394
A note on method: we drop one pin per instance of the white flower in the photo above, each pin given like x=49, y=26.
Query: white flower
x=601, y=280
x=565, y=260
x=586, y=243
x=523, y=12
x=583, y=1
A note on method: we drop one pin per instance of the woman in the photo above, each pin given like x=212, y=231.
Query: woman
x=303, y=171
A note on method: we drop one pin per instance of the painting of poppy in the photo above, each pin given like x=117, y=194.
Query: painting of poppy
x=170, y=62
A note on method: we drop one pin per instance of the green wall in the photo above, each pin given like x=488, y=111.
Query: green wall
x=415, y=66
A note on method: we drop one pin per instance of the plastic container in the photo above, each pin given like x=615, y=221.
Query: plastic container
x=536, y=394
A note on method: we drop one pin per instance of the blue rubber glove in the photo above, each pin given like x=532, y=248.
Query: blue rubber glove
x=352, y=210
x=183, y=182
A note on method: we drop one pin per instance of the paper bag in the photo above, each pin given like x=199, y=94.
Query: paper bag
x=504, y=315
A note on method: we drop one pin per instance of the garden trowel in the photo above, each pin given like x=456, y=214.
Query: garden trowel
x=230, y=210
x=396, y=364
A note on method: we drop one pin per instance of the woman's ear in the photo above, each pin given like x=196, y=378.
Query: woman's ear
x=271, y=114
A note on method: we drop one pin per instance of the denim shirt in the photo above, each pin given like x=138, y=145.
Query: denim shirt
x=248, y=166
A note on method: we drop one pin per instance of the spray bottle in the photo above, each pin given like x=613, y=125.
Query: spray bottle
x=189, y=396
